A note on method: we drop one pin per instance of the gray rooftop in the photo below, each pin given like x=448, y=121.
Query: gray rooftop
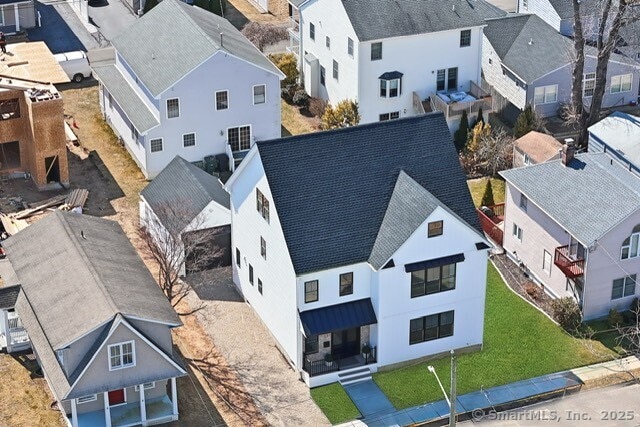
x=564, y=8
x=174, y=38
x=184, y=185
x=8, y=296
x=79, y=272
x=531, y=48
x=381, y=19
x=586, y=198
x=126, y=97
x=350, y=175
x=620, y=132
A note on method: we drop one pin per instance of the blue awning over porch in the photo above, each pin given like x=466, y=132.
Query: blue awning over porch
x=338, y=317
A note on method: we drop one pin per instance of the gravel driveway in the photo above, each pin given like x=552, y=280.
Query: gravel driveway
x=246, y=344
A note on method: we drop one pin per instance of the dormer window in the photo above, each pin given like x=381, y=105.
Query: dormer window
x=390, y=84
x=631, y=244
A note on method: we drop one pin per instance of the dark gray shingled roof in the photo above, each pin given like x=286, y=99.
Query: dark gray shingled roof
x=8, y=296
x=174, y=38
x=587, y=198
x=90, y=278
x=528, y=46
x=564, y=8
x=183, y=184
x=531, y=48
x=381, y=19
x=331, y=189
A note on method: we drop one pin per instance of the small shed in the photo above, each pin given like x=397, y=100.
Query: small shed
x=535, y=147
x=188, y=205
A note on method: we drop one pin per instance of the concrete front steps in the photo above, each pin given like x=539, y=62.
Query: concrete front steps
x=354, y=376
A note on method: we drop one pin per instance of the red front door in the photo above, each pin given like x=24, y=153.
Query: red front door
x=116, y=397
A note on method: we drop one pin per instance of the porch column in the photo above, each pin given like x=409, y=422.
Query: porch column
x=143, y=406
x=174, y=398
x=5, y=318
x=107, y=410
x=17, y=15
x=74, y=413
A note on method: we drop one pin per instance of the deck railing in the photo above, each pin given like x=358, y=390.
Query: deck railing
x=320, y=367
x=455, y=109
x=571, y=267
x=492, y=221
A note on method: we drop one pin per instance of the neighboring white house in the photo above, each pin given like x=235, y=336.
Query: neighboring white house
x=185, y=203
x=529, y=63
x=364, y=236
x=186, y=82
x=574, y=223
x=396, y=58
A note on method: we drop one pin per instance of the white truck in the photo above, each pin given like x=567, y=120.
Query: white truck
x=75, y=64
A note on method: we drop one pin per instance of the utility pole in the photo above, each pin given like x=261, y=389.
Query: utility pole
x=452, y=394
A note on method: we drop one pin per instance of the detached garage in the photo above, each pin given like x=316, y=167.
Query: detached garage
x=186, y=208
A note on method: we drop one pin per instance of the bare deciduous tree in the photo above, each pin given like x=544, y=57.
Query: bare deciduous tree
x=489, y=151
x=262, y=35
x=605, y=20
x=172, y=238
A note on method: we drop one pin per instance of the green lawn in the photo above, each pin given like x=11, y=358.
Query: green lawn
x=519, y=343
x=477, y=186
x=335, y=403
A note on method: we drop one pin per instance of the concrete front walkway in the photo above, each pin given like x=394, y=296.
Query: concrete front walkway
x=368, y=398
x=248, y=347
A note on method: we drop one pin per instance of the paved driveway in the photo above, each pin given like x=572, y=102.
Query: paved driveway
x=111, y=17
x=61, y=28
x=248, y=347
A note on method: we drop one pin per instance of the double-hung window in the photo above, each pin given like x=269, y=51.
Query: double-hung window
x=222, y=100
x=588, y=84
x=189, y=140
x=621, y=83
x=376, y=51
x=431, y=327
x=263, y=247
x=389, y=116
x=433, y=280
x=311, y=291
x=465, y=38
x=336, y=69
x=259, y=94
x=312, y=31
x=173, y=108
x=156, y=145
x=346, y=284
x=350, y=47
x=545, y=94
x=624, y=287
x=262, y=205
x=121, y=355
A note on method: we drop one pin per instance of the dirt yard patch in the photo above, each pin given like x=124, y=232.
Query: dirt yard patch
x=25, y=398
x=239, y=12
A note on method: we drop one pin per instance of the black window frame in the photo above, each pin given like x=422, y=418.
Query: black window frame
x=432, y=327
x=346, y=288
x=262, y=205
x=389, y=116
x=312, y=31
x=454, y=79
x=323, y=76
x=309, y=292
x=465, y=38
x=422, y=286
x=441, y=79
x=311, y=344
x=263, y=247
x=238, y=257
x=251, y=274
x=260, y=286
x=376, y=51
x=435, y=231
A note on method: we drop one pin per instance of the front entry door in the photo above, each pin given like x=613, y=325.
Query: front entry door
x=116, y=397
x=345, y=343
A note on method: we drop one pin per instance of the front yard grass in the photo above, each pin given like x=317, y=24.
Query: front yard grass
x=335, y=403
x=519, y=343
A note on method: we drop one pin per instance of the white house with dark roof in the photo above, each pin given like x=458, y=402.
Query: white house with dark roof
x=185, y=82
x=99, y=325
x=574, y=223
x=185, y=202
x=529, y=63
x=395, y=58
x=360, y=237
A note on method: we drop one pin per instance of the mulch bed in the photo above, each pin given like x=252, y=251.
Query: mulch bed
x=518, y=280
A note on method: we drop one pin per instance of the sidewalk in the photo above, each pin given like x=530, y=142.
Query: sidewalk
x=507, y=396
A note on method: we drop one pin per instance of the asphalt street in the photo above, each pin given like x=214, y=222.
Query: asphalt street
x=608, y=407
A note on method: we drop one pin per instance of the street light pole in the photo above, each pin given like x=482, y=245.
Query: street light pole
x=452, y=405
x=450, y=401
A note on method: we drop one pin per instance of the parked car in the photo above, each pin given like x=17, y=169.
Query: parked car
x=75, y=64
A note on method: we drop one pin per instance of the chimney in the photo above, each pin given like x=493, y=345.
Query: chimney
x=568, y=152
